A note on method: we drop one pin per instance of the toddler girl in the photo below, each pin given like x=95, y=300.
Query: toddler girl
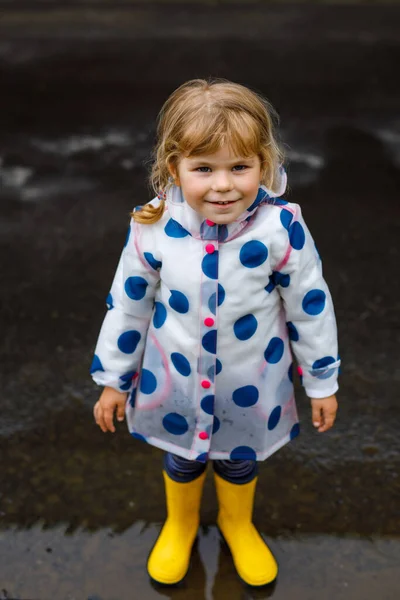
x=218, y=280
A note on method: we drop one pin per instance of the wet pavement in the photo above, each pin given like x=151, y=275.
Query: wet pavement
x=80, y=510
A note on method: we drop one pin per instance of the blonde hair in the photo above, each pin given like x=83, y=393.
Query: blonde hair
x=200, y=117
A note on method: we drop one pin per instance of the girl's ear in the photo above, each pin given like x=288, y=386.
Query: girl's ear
x=173, y=173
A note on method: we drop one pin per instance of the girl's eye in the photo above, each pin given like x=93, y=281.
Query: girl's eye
x=208, y=169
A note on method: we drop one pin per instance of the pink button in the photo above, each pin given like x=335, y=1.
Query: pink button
x=210, y=223
x=205, y=384
x=210, y=248
x=203, y=435
x=209, y=322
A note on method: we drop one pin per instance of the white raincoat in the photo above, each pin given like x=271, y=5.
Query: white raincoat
x=198, y=327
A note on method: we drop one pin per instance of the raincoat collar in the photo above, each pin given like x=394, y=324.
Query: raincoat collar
x=201, y=228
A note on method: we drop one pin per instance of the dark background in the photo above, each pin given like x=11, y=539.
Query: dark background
x=81, y=85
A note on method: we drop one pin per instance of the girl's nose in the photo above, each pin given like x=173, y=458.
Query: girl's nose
x=221, y=183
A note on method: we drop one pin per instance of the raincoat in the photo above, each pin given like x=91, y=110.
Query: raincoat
x=200, y=325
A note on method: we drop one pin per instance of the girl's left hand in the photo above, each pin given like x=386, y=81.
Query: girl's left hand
x=324, y=412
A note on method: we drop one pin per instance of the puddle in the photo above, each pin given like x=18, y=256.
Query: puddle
x=47, y=564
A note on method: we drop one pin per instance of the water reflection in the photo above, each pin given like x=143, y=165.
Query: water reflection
x=81, y=511
x=46, y=563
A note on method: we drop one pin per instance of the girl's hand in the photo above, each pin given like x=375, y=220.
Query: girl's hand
x=324, y=412
x=104, y=409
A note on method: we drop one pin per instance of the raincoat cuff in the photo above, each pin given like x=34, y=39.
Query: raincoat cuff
x=322, y=392
x=113, y=380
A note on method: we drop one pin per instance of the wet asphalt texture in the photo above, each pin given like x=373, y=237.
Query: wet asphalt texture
x=80, y=90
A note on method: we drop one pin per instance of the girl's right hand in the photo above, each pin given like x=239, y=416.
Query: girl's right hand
x=104, y=409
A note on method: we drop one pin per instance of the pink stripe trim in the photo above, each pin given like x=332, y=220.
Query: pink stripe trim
x=136, y=235
x=165, y=392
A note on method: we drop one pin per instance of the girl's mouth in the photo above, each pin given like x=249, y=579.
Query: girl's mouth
x=227, y=203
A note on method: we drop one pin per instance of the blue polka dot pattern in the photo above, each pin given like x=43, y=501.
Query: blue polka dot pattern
x=154, y=263
x=109, y=302
x=245, y=327
x=274, y=351
x=286, y=218
x=174, y=229
x=128, y=235
x=135, y=287
x=293, y=333
x=271, y=285
x=281, y=279
x=127, y=380
x=297, y=236
x=139, y=436
x=284, y=280
x=132, y=397
x=243, y=453
x=262, y=195
x=212, y=302
x=181, y=364
x=209, y=265
x=160, y=314
x=207, y=404
x=314, y=302
x=203, y=457
x=175, y=424
x=209, y=341
x=323, y=362
x=148, y=382
x=211, y=373
x=274, y=418
x=179, y=302
x=128, y=341
x=290, y=372
x=96, y=365
x=294, y=432
x=280, y=201
x=216, y=425
x=245, y=396
x=253, y=254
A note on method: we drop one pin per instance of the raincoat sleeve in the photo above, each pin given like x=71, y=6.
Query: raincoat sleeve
x=309, y=309
x=130, y=304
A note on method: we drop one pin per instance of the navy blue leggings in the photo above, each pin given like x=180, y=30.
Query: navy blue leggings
x=183, y=470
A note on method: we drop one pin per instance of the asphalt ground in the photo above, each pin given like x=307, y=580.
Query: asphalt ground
x=80, y=91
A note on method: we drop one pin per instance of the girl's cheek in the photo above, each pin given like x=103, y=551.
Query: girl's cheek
x=196, y=187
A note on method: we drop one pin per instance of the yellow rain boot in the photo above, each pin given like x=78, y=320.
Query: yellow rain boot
x=169, y=560
x=253, y=559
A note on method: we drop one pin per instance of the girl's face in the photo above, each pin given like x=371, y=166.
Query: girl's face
x=219, y=186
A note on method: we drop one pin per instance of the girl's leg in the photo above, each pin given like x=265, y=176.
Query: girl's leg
x=169, y=560
x=236, y=471
x=181, y=469
x=235, y=482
